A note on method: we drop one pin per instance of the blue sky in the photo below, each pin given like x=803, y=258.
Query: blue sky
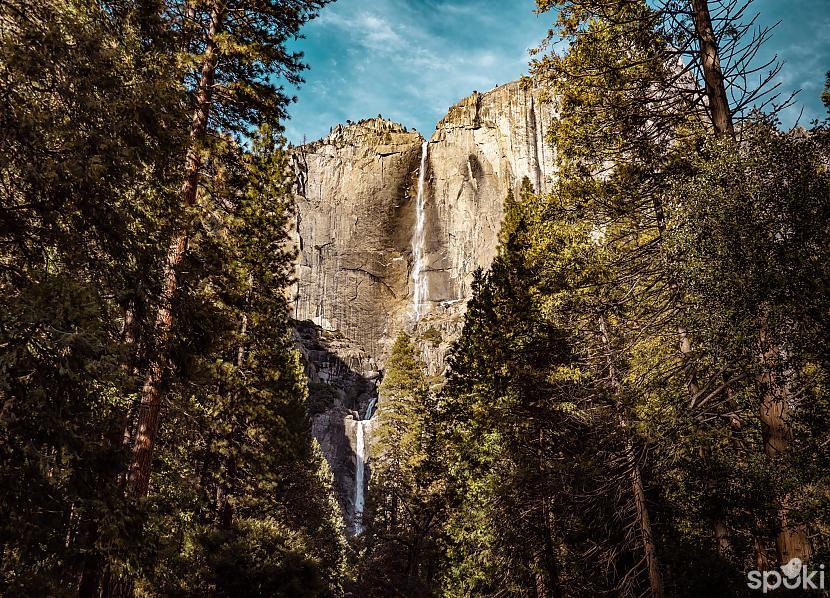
x=410, y=60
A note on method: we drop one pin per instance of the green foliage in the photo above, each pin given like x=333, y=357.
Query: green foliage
x=254, y=479
x=405, y=501
x=676, y=282
x=432, y=336
x=96, y=129
x=404, y=378
x=518, y=438
x=85, y=161
x=749, y=248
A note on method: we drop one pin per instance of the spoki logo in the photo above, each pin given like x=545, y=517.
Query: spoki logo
x=793, y=576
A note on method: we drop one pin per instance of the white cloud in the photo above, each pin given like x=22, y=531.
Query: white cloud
x=411, y=60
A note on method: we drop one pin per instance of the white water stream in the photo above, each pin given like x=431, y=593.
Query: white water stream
x=360, y=468
x=419, y=293
x=419, y=279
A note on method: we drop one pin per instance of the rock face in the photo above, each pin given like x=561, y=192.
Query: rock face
x=342, y=379
x=483, y=148
x=354, y=218
x=356, y=196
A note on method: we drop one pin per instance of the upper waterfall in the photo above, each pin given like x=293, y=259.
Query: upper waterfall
x=419, y=281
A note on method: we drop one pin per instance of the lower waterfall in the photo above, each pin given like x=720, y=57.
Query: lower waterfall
x=360, y=468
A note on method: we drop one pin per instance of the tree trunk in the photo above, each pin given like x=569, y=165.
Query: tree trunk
x=224, y=508
x=90, y=578
x=712, y=72
x=720, y=532
x=94, y=564
x=153, y=389
x=541, y=582
x=759, y=551
x=655, y=579
x=722, y=122
x=792, y=540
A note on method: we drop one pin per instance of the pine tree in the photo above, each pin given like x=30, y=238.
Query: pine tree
x=406, y=496
x=233, y=60
x=88, y=136
x=96, y=116
x=515, y=431
x=621, y=74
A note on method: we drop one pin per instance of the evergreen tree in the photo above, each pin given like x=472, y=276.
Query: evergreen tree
x=242, y=503
x=232, y=60
x=88, y=133
x=238, y=476
x=768, y=272
x=513, y=425
x=620, y=74
x=406, y=504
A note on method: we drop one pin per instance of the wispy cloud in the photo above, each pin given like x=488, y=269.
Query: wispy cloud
x=411, y=59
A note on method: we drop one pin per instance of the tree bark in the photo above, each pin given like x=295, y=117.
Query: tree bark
x=90, y=578
x=792, y=540
x=153, y=389
x=655, y=579
x=712, y=72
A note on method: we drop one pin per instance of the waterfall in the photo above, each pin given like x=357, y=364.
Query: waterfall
x=419, y=280
x=360, y=467
x=370, y=408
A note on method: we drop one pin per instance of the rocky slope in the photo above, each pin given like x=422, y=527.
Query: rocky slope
x=356, y=194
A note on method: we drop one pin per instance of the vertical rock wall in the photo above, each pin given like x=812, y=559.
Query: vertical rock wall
x=484, y=147
x=354, y=215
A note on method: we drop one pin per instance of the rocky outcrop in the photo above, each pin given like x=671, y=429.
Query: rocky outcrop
x=342, y=379
x=354, y=217
x=356, y=194
x=485, y=146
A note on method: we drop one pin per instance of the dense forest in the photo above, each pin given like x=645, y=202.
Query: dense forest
x=638, y=404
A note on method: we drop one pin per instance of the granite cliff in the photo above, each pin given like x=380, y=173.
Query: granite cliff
x=356, y=193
